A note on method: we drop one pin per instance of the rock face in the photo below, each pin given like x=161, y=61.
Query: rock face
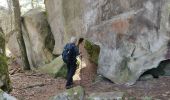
x=133, y=35
x=65, y=21
x=76, y=93
x=13, y=46
x=37, y=39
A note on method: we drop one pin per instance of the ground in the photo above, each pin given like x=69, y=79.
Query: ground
x=31, y=85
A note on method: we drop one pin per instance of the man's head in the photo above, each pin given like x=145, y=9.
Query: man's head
x=73, y=40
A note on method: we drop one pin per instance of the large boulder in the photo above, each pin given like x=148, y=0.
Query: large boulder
x=55, y=68
x=37, y=37
x=76, y=93
x=133, y=42
x=133, y=35
x=65, y=21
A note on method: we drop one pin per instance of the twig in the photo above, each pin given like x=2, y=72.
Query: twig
x=35, y=85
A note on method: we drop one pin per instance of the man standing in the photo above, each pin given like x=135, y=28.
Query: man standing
x=69, y=55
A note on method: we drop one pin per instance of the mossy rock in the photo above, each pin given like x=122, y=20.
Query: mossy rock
x=2, y=44
x=4, y=75
x=93, y=51
x=116, y=95
x=76, y=93
x=62, y=72
x=56, y=68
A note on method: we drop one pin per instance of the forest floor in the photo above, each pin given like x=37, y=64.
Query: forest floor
x=30, y=85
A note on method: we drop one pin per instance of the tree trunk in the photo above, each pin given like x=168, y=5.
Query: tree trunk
x=9, y=2
x=4, y=75
x=17, y=17
x=32, y=3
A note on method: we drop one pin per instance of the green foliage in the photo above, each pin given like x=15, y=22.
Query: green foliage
x=2, y=43
x=3, y=64
x=4, y=77
x=4, y=72
x=93, y=51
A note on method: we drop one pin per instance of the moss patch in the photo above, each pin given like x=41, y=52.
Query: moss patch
x=2, y=44
x=93, y=51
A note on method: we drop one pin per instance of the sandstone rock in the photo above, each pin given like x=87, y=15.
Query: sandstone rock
x=55, y=68
x=107, y=96
x=132, y=42
x=13, y=47
x=76, y=93
x=65, y=21
x=133, y=35
x=35, y=32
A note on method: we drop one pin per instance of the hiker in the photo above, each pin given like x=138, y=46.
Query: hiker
x=69, y=55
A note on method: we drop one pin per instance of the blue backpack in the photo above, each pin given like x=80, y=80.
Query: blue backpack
x=68, y=52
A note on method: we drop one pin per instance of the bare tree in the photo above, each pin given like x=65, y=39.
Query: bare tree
x=17, y=19
x=9, y=2
x=32, y=3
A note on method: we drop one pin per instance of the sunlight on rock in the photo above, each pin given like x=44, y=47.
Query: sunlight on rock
x=8, y=52
x=82, y=64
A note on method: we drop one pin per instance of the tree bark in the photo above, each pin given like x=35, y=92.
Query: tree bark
x=17, y=18
x=4, y=74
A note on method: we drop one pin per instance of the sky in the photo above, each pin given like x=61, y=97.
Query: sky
x=3, y=3
x=25, y=4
